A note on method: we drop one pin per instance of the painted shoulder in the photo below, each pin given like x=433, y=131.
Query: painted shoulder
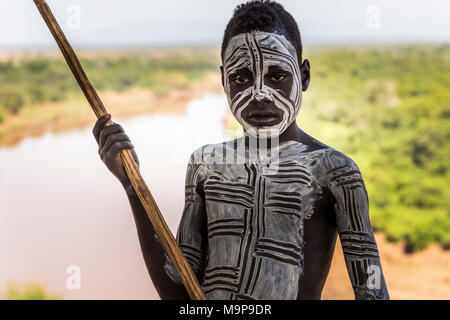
x=196, y=171
x=196, y=157
x=328, y=162
x=333, y=159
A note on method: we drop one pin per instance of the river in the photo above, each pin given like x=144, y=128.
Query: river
x=60, y=206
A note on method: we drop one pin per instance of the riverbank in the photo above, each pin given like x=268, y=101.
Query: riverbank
x=75, y=113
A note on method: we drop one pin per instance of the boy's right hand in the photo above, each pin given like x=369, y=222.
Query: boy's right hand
x=111, y=140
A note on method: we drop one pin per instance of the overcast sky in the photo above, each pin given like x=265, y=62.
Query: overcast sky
x=149, y=23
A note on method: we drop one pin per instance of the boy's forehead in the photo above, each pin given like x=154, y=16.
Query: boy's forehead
x=266, y=42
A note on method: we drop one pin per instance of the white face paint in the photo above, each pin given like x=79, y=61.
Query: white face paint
x=258, y=51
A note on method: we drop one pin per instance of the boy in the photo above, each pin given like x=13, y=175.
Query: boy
x=257, y=225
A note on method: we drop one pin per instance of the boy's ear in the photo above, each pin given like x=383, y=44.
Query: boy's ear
x=305, y=70
x=222, y=75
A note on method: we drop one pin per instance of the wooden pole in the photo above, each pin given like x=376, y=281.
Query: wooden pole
x=159, y=224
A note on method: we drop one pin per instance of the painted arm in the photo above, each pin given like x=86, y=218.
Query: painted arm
x=355, y=232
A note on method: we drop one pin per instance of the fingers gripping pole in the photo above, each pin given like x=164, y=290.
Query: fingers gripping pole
x=160, y=226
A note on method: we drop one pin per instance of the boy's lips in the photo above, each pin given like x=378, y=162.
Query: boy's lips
x=263, y=118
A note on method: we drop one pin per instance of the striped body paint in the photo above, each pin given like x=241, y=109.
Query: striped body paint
x=258, y=51
x=243, y=227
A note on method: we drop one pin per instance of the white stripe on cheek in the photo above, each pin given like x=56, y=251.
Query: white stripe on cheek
x=290, y=108
x=246, y=94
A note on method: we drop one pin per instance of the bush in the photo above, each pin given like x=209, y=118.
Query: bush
x=12, y=102
x=31, y=291
x=392, y=119
x=50, y=80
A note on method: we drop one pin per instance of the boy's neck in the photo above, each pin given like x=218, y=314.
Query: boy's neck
x=294, y=133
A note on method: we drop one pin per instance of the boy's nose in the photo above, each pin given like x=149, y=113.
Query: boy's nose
x=262, y=95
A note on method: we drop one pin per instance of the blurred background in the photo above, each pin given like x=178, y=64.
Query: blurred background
x=379, y=93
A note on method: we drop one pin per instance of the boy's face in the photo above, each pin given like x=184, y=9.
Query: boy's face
x=263, y=83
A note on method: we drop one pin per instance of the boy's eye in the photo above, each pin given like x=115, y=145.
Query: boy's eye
x=240, y=80
x=278, y=77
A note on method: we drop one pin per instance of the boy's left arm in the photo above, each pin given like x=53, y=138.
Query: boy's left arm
x=355, y=232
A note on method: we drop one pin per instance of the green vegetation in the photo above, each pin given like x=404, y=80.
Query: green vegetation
x=33, y=81
x=389, y=109
x=31, y=291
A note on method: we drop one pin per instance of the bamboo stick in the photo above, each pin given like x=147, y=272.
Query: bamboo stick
x=162, y=230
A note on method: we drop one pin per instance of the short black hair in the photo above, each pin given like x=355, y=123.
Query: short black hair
x=263, y=15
